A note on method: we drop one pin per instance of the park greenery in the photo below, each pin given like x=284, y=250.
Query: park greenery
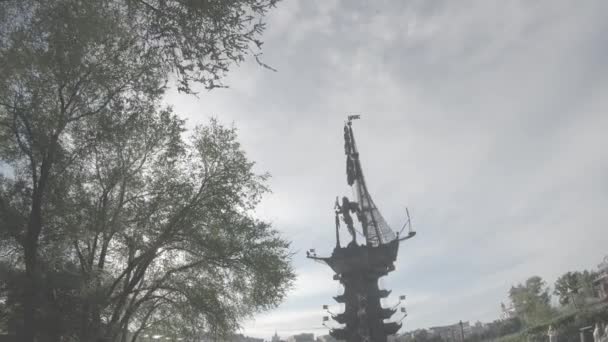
x=114, y=218
x=576, y=308
x=531, y=310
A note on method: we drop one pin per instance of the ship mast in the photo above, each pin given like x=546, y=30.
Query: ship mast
x=363, y=196
x=375, y=229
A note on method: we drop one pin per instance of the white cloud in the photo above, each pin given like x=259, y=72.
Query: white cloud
x=486, y=118
x=317, y=281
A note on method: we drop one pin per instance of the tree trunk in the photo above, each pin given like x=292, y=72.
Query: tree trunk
x=31, y=243
x=29, y=319
x=30, y=325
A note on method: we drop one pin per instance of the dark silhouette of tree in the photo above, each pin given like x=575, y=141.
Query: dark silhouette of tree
x=573, y=285
x=81, y=134
x=532, y=301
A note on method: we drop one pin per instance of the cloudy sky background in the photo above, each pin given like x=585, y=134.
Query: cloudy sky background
x=486, y=118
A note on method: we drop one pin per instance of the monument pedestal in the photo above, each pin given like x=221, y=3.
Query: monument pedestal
x=358, y=269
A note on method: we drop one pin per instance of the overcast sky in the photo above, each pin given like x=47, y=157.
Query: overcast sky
x=486, y=118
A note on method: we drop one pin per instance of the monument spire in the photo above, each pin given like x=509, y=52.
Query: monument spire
x=358, y=267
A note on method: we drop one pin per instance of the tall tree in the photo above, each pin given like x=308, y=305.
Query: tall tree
x=181, y=244
x=69, y=67
x=532, y=301
x=572, y=287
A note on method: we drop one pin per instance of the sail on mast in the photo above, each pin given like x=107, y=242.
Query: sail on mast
x=375, y=228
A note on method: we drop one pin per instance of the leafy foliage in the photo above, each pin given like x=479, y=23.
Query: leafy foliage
x=532, y=301
x=567, y=326
x=574, y=286
x=109, y=216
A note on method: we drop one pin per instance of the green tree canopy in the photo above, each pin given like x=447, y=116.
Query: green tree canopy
x=532, y=300
x=574, y=285
x=99, y=181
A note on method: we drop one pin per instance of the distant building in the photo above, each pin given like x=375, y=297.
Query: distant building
x=601, y=282
x=276, y=338
x=326, y=338
x=302, y=338
x=452, y=332
x=412, y=336
x=507, y=312
x=243, y=338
